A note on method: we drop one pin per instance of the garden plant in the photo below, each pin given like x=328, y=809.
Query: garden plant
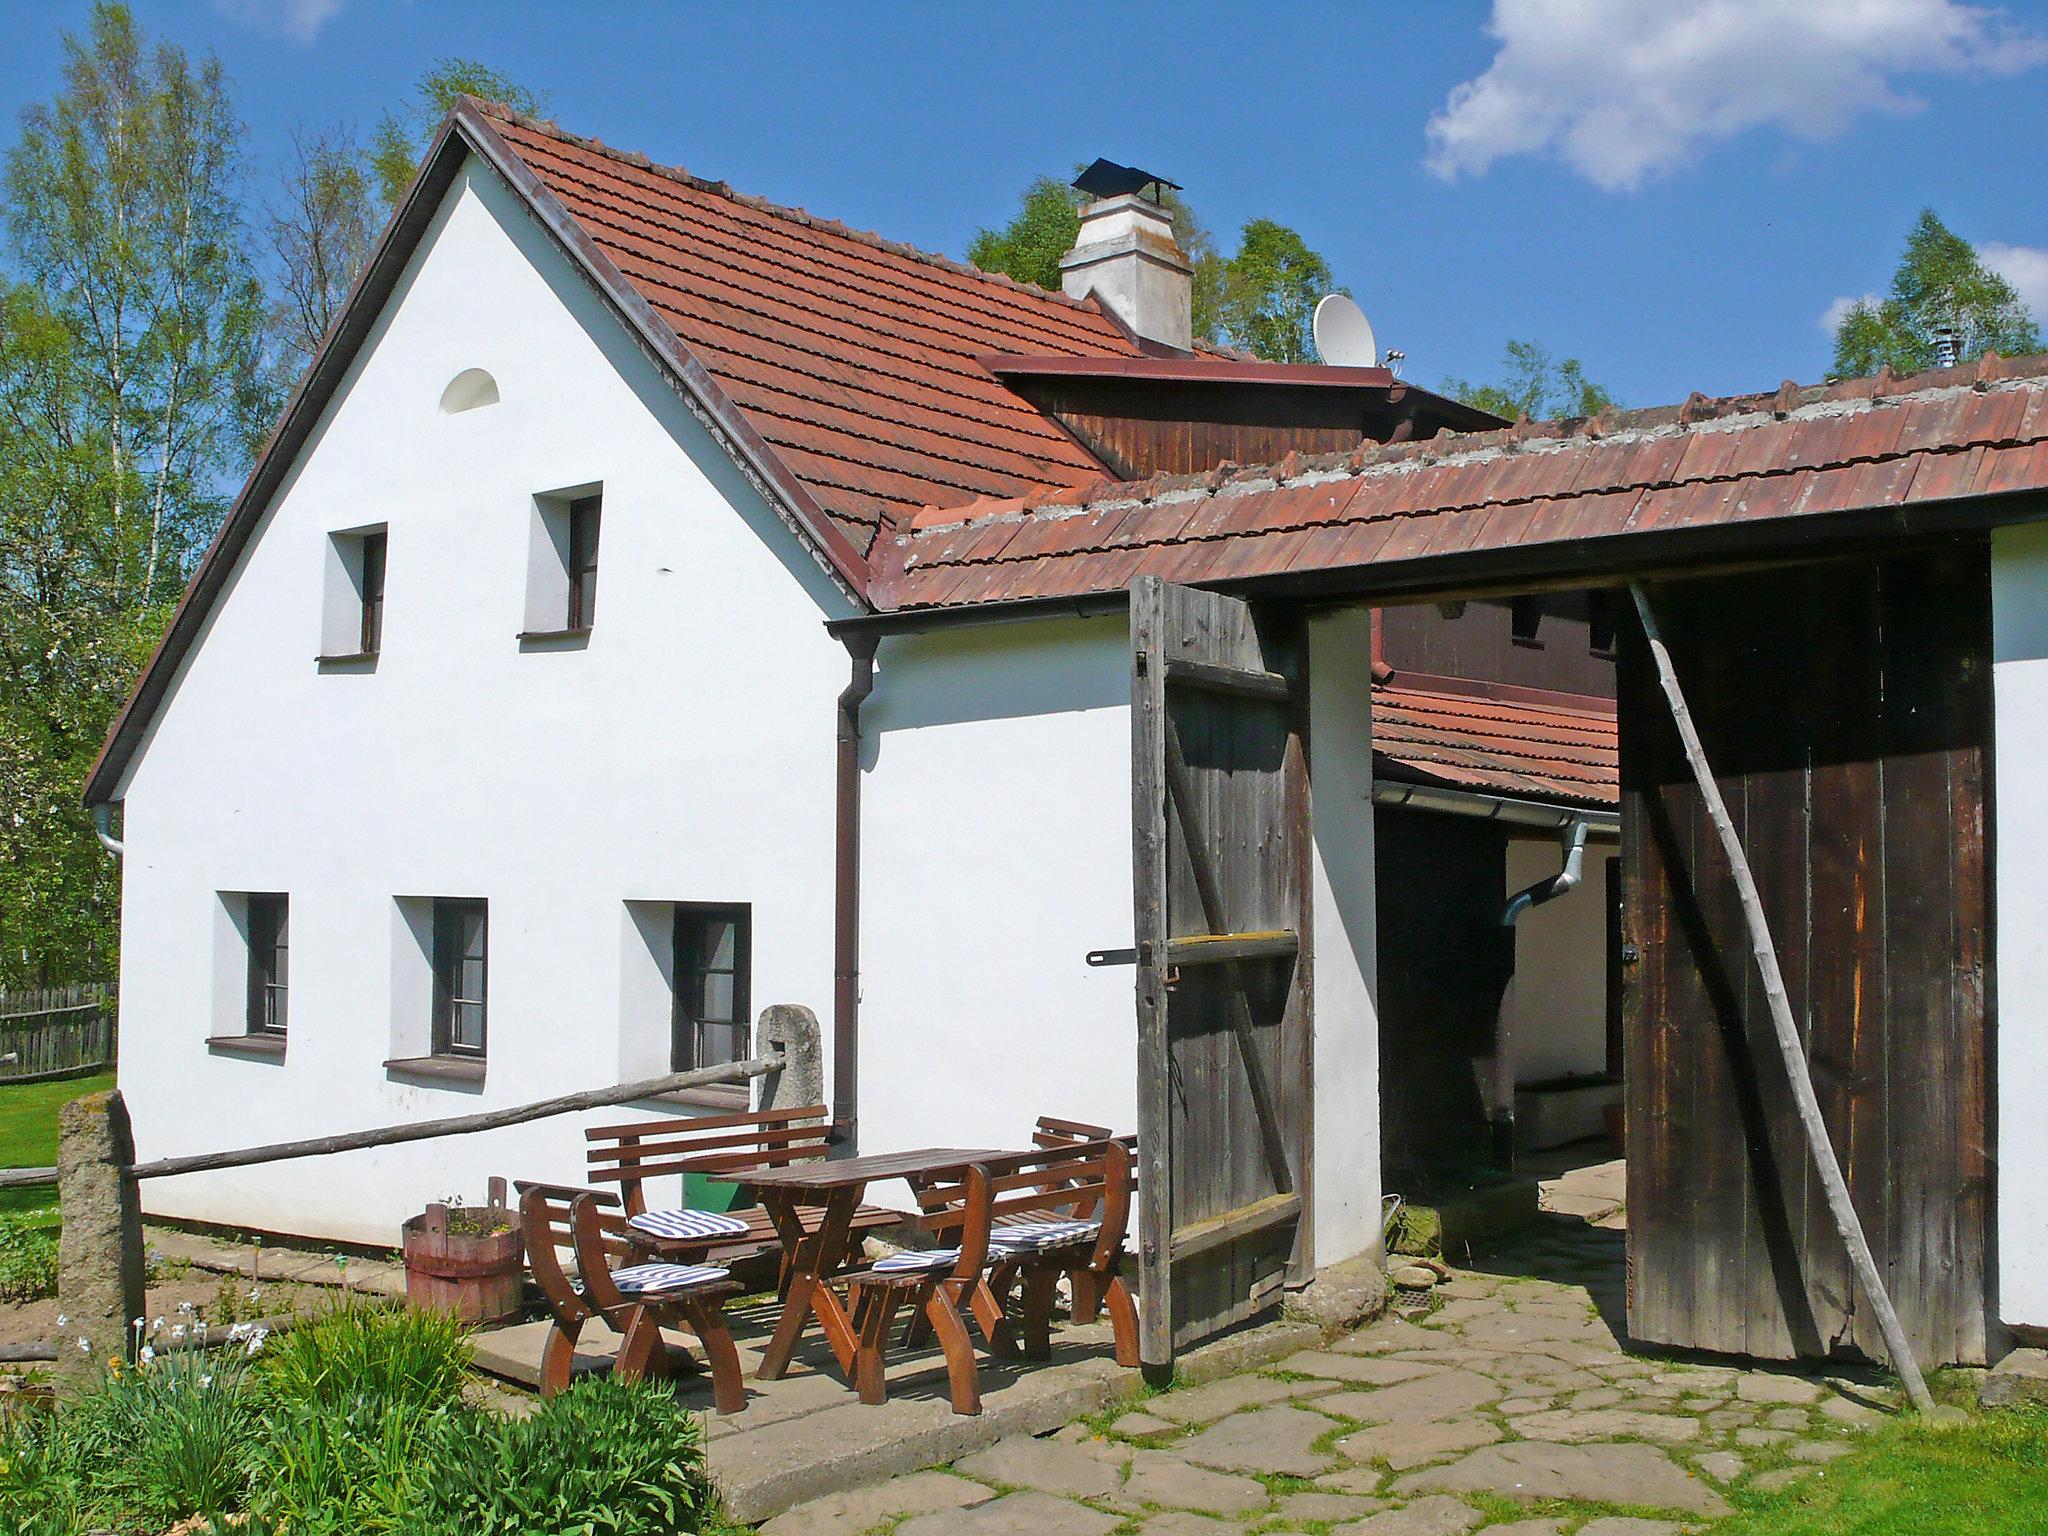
x=362, y=1421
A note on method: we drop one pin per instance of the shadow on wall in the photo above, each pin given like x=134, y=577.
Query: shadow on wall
x=1001, y=672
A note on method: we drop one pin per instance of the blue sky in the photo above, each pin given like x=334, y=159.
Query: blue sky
x=1673, y=193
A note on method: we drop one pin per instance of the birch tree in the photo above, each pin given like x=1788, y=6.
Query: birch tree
x=124, y=212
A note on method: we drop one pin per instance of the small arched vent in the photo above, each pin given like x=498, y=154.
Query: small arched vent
x=467, y=390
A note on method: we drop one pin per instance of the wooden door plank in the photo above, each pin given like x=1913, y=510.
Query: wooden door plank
x=1216, y=677
x=1259, y=1216
x=1148, y=884
x=1219, y=948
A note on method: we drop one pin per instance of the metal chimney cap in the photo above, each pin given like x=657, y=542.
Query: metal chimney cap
x=1105, y=178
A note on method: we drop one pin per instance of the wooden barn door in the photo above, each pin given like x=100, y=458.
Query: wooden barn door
x=1845, y=710
x=1220, y=808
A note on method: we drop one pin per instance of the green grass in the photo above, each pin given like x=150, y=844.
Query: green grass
x=28, y=1130
x=1983, y=1477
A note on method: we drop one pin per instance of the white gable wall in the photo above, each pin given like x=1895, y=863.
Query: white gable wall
x=684, y=754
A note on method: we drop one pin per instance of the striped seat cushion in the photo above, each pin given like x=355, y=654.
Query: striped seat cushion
x=689, y=1224
x=1032, y=1236
x=647, y=1279
x=911, y=1263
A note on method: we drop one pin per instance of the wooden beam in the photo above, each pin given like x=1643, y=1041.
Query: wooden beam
x=459, y=1125
x=25, y=1178
x=1214, y=677
x=1215, y=948
x=1796, y=1070
x=1201, y=1236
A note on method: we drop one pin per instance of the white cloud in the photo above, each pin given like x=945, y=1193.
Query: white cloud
x=2025, y=267
x=1830, y=319
x=299, y=20
x=1625, y=90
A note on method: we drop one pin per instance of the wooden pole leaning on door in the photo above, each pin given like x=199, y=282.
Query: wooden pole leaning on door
x=1766, y=954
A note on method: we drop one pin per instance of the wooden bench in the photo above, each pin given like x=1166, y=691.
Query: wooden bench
x=725, y=1148
x=587, y=1223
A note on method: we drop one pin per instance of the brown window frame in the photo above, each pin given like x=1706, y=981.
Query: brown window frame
x=374, y=557
x=449, y=913
x=586, y=529
x=267, y=1010
x=686, y=1027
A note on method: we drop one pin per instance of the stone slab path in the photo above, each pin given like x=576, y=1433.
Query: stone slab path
x=1511, y=1409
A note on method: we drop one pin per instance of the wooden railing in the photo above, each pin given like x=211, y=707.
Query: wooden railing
x=55, y=1032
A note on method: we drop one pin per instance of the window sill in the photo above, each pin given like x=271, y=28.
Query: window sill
x=554, y=639
x=351, y=661
x=712, y=1096
x=248, y=1045
x=440, y=1069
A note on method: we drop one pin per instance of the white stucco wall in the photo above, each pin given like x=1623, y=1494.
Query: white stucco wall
x=1347, y=1100
x=2019, y=686
x=684, y=754
x=996, y=852
x=1557, y=1003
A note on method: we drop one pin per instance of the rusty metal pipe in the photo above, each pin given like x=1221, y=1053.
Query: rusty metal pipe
x=846, y=893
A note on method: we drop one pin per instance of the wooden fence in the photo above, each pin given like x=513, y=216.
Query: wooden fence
x=56, y=1032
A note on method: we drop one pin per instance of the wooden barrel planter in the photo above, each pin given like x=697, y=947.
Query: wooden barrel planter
x=466, y=1261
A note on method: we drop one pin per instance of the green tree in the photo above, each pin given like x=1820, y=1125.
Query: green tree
x=125, y=215
x=1269, y=293
x=321, y=230
x=1044, y=229
x=402, y=137
x=1536, y=385
x=1941, y=284
x=132, y=389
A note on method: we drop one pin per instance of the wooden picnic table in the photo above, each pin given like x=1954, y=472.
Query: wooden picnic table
x=816, y=1256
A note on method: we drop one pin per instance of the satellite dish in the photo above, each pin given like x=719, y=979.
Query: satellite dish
x=1343, y=334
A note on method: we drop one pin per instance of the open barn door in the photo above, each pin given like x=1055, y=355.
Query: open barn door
x=1225, y=1084
x=1855, y=778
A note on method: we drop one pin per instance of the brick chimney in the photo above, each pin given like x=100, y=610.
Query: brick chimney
x=1125, y=252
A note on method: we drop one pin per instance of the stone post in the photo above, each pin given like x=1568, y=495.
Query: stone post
x=99, y=1258
x=800, y=1081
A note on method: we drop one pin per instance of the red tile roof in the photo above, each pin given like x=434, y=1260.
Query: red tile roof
x=855, y=359
x=1526, y=751
x=1742, y=462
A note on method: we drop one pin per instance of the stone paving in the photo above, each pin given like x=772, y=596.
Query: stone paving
x=1510, y=1408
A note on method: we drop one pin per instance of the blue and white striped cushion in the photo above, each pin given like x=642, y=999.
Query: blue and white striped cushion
x=1031, y=1236
x=911, y=1262
x=688, y=1224
x=645, y=1279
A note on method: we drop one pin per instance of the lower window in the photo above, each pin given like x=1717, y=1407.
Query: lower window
x=461, y=942
x=269, y=918
x=713, y=986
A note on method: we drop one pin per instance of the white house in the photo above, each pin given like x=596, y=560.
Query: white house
x=655, y=604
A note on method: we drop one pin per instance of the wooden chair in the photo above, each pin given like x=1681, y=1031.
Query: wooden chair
x=636, y=1300
x=937, y=1283
x=724, y=1147
x=1063, y=1209
x=1054, y=1132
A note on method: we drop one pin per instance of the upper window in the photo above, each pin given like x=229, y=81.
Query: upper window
x=352, y=609
x=374, y=545
x=269, y=924
x=714, y=980
x=585, y=514
x=461, y=936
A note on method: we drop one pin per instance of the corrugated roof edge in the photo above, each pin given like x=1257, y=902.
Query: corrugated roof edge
x=1696, y=411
